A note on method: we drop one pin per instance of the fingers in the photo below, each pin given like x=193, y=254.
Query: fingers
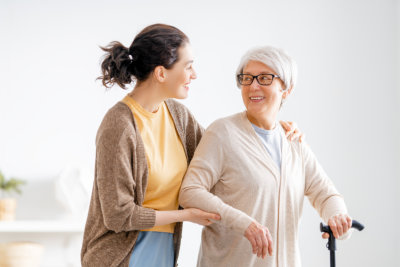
x=349, y=221
x=254, y=245
x=265, y=246
x=292, y=132
x=339, y=224
x=344, y=224
x=260, y=239
x=285, y=126
x=325, y=235
x=302, y=137
x=208, y=222
x=263, y=233
x=214, y=216
x=333, y=226
x=211, y=216
x=249, y=234
x=269, y=238
x=295, y=135
x=202, y=217
x=260, y=245
x=289, y=127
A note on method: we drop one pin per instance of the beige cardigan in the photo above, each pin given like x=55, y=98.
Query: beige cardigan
x=116, y=213
x=232, y=174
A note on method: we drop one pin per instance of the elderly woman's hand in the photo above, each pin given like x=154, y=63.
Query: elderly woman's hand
x=292, y=131
x=339, y=225
x=260, y=239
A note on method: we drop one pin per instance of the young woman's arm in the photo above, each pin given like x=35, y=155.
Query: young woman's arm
x=191, y=215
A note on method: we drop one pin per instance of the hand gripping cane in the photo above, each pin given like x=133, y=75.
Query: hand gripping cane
x=331, y=245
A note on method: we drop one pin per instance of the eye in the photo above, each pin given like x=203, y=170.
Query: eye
x=265, y=78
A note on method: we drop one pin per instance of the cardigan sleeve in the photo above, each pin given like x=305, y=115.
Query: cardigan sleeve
x=319, y=188
x=116, y=184
x=204, y=172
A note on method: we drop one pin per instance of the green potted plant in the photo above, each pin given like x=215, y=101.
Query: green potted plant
x=8, y=203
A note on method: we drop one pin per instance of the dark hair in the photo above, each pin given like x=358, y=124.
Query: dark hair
x=156, y=45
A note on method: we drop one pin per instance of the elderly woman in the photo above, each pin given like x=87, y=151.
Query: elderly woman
x=247, y=171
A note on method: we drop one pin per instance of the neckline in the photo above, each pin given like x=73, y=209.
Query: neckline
x=133, y=103
x=265, y=131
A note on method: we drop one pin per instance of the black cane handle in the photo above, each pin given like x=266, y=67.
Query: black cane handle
x=354, y=224
x=331, y=245
x=357, y=225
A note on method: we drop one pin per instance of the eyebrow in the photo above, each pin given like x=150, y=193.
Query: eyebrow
x=188, y=62
x=262, y=73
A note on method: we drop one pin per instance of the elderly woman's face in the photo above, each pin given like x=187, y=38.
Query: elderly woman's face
x=262, y=100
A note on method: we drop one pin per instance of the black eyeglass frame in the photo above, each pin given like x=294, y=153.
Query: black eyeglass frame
x=256, y=77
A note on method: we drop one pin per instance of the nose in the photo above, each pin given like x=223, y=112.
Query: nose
x=254, y=85
x=193, y=75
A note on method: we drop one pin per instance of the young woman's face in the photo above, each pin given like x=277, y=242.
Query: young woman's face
x=261, y=100
x=181, y=74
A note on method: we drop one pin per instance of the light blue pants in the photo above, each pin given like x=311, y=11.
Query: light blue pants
x=153, y=249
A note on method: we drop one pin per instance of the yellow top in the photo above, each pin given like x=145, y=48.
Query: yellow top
x=166, y=159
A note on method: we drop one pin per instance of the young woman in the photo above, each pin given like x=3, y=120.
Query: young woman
x=143, y=147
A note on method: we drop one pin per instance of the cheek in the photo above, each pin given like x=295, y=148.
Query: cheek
x=273, y=94
x=245, y=95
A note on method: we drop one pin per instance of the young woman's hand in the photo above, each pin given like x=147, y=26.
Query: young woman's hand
x=339, y=225
x=260, y=239
x=292, y=131
x=200, y=217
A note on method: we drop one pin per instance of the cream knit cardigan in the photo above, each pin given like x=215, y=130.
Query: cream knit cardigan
x=233, y=175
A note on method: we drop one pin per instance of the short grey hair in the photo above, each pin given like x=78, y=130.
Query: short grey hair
x=275, y=58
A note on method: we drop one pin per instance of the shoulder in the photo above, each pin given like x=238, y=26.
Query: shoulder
x=229, y=123
x=117, y=122
x=178, y=110
x=182, y=116
x=224, y=133
x=177, y=107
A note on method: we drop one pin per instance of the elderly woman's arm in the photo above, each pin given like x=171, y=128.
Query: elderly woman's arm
x=323, y=195
x=203, y=173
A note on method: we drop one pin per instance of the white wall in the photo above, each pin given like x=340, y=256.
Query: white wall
x=346, y=99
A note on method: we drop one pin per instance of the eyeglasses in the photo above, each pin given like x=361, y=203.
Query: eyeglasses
x=262, y=79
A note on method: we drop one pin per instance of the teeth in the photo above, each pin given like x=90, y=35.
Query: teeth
x=256, y=98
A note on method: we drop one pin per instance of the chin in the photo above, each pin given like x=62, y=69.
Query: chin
x=181, y=96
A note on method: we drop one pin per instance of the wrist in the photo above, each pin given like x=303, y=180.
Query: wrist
x=183, y=215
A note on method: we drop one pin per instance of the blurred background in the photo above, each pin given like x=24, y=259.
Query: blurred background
x=346, y=102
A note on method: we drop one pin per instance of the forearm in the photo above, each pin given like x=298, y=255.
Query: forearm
x=319, y=188
x=333, y=206
x=196, y=197
x=170, y=216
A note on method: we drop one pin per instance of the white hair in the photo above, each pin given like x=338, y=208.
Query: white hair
x=275, y=58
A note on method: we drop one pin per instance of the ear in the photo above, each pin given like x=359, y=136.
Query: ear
x=160, y=73
x=287, y=92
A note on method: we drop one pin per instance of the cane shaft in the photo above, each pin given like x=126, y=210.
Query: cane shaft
x=333, y=262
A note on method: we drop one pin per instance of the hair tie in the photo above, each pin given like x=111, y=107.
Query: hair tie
x=130, y=57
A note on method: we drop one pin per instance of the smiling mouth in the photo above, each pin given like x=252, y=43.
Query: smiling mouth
x=255, y=98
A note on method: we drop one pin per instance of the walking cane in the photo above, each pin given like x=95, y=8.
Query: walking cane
x=331, y=245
